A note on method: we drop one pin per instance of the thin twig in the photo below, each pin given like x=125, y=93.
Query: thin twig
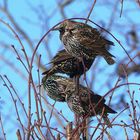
x=90, y=11
x=4, y=134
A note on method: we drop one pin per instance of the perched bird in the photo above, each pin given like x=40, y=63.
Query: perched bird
x=87, y=103
x=84, y=104
x=63, y=62
x=81, y=40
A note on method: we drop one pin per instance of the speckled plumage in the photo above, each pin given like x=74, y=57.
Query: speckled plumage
x=81, y=40
x=84, y=104
x=61, y=88
x=55, y=90
x=63, y=62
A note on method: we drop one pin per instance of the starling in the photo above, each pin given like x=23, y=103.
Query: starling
x=84, y=103
x=64, y=89
x=63, y=62
x=81, y=40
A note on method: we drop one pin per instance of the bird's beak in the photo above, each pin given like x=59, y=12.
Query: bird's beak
x=56, y=28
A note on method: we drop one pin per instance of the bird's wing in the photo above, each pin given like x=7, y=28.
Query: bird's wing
x=60, y=57
x=87, y=94
x=90, y=38
x=96, y=98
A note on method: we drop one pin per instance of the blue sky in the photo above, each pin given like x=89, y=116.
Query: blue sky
x=36, y=18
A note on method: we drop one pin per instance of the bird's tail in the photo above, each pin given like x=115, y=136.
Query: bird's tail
x=109, y=110
x=108, y=57
x=45, y=72
x=104, y=53
x=49, y=72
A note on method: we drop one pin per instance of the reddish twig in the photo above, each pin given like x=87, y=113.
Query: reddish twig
x=3, y=133
x=90, y=11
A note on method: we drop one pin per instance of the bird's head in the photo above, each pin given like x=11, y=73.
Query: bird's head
x=64, y=26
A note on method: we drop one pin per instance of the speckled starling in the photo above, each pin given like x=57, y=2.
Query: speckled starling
x=84, y=103
x=81, y=40
x=64, y=89
x=63, y=62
